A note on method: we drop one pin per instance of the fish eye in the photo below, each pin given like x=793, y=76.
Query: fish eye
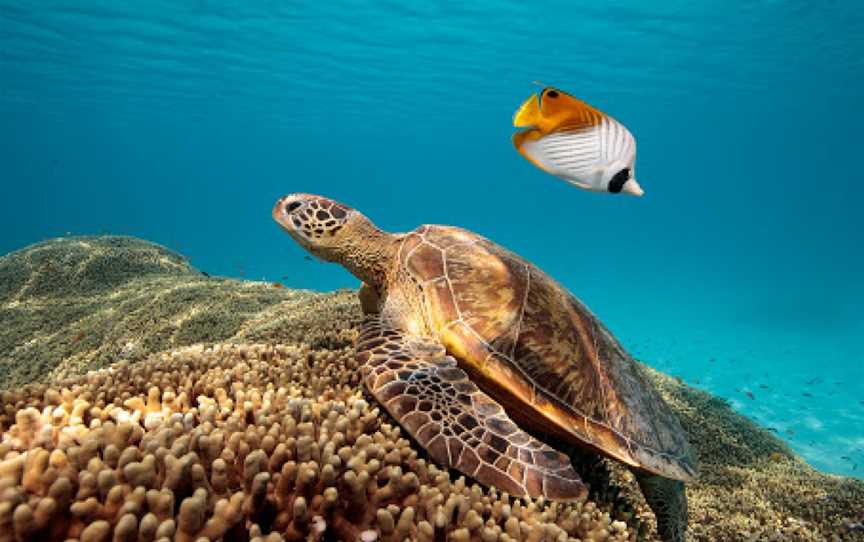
x=552, y=93
x=291, y=206
x=616, y=183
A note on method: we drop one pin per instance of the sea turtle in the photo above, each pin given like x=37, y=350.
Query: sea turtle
x=462, y=340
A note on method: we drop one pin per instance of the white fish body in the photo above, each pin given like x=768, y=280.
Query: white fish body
x=574, y=141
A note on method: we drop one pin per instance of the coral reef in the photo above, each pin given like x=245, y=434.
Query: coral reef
x=752, y=487
x=228, y=442
x=260, y=431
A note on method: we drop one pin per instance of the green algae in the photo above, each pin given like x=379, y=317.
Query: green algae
x=74, y=304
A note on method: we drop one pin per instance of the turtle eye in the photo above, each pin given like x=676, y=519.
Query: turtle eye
x=291, y=206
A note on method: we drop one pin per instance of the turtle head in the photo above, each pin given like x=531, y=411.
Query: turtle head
x=317, y=223
x=333, y=232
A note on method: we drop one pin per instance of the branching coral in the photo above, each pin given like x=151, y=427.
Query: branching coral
x=239, y=443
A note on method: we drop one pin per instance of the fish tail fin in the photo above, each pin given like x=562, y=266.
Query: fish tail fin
x=528, y=113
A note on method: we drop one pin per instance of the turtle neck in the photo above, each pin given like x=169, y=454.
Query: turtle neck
x=369, y=254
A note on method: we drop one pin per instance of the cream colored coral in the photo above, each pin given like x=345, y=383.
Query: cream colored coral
x=276, y=443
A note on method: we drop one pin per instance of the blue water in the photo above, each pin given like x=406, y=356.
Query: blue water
x=182, y=122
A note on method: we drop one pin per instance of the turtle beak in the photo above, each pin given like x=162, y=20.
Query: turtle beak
x=279, y=214
x=280, y=204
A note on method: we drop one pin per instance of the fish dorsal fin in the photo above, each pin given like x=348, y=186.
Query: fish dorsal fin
x=561, y=110
x=528, y=113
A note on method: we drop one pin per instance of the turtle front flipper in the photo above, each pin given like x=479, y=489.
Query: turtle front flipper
x=459, y=425
x=668, y=500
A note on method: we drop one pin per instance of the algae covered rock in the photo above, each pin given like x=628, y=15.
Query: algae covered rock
x=752, y=486
x=73, y=304
x=237, y=414
x=80, y=266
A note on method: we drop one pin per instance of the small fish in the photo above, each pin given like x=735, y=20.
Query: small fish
x=205, y=273
x=568, y=138
x=805, y=394
x=814, y=381
x=763, y=386
x=772, y=429
x=790, y=432
x=278, y=285
x=308, y=258
x=750, y=395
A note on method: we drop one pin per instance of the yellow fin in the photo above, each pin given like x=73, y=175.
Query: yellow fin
x=528, y=113
x=565, y=110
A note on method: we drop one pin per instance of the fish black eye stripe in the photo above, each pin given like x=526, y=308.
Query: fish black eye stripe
x=616, y=184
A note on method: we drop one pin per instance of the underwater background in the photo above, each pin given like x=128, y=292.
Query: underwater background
x=740, y=271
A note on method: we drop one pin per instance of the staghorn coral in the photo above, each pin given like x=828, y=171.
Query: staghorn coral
x=249, y=442
x=237, y=442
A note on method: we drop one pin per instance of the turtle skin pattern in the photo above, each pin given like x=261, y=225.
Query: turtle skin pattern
x=459, y=425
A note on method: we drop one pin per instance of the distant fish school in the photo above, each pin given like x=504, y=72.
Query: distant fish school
x=572, y=140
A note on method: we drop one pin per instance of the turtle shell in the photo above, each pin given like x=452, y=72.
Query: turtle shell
x=541, y=353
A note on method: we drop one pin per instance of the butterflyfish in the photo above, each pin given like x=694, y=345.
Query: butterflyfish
x=570, y=139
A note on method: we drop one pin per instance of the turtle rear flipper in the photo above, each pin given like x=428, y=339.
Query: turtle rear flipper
x=459, y=425
x=668, y=500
